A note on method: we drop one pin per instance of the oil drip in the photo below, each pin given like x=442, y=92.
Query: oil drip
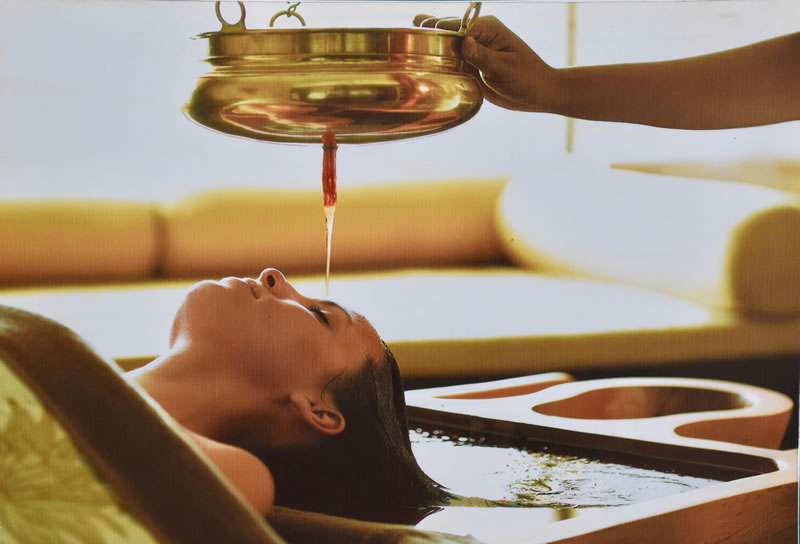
x=328, y=197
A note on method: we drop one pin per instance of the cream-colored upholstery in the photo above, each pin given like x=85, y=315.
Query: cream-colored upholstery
x=459, y=322
x=724, y=244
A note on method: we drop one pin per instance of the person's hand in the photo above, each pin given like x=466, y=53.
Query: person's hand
x=511, y=74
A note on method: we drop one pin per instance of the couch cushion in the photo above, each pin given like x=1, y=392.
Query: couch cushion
x=77, y=240
x=478, y=322
x=725, y=244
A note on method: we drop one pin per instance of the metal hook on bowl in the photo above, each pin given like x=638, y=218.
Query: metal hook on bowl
x=238, y=26
x=473, y=10
x=290, y=12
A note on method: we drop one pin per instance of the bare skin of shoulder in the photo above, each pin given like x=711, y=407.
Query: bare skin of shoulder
x=249, y=476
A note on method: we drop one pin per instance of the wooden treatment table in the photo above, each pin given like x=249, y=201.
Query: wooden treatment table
x=705, y=423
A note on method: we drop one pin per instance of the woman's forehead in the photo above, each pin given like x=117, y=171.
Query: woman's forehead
x=368, y=336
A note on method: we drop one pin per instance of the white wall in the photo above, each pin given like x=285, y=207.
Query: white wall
x=91, y=94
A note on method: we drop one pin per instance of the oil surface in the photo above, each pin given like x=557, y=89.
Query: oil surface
x=489, y=475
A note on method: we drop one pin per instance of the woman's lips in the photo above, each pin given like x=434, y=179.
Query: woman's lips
x=250, y=284
x=254, y=286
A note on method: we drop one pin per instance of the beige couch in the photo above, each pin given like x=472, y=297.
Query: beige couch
x=573, y=267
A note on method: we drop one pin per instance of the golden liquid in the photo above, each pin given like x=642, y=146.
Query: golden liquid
x=330, y=212
x=544, y=477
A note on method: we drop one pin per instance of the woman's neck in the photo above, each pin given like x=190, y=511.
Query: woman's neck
x=201, y=395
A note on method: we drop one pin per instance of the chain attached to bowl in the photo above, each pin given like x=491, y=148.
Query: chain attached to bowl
x=289, y=12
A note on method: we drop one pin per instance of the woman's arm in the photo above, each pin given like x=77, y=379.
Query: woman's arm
x=251, y=478
x=753, y=85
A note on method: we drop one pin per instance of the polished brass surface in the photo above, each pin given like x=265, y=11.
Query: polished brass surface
x=365, y=84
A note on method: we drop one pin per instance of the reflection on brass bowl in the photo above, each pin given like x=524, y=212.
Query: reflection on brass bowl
x=367, y=85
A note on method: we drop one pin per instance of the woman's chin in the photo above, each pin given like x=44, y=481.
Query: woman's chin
x=204, y=285
x=202, y=298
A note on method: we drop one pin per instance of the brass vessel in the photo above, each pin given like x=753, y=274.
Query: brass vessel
x=364, y=84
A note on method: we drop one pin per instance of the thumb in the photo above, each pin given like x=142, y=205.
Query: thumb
x=484, y=59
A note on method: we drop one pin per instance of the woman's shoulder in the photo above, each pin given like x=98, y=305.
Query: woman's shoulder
x=251, y=478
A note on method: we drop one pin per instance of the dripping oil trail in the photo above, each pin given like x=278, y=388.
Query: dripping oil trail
x=328, y=197
x=330, y=211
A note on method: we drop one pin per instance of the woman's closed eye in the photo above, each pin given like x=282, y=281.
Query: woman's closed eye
x=320, y=315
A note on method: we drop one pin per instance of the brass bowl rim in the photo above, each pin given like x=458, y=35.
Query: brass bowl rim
x=333, y=43
x=332, y=30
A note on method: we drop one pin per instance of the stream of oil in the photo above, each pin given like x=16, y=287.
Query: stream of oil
x=328, y=198
x=330, y=214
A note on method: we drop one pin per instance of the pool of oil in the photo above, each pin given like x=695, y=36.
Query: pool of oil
x=508, y=490
x=486, y=473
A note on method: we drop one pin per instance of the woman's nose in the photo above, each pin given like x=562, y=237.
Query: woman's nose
x=274, y=280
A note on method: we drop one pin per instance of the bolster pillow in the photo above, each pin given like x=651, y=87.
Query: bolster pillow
x=380, y=226
x=61, y=240
x=725, y=244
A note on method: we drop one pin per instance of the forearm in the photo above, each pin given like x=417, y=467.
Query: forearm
x=752, y=85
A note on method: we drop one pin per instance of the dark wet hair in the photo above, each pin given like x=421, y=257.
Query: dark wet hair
x=368, y=471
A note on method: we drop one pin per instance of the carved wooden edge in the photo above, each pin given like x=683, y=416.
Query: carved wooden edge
x=300, y=527
x=758, y=419
x=161, y=477
x=763, y=512
x=509, y=387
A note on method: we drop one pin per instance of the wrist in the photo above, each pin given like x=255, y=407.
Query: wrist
x=556, y=91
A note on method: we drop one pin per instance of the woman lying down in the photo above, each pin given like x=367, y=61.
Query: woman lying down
x=294, y=399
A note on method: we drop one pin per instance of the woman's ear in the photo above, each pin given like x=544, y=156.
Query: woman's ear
x=323, y=417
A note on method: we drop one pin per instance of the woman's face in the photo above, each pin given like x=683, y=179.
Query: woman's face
x=268, y=331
